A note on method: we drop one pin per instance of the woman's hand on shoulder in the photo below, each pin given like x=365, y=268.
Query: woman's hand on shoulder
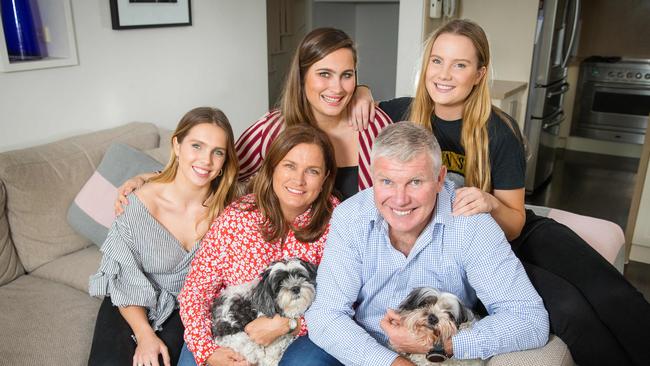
x=148, y=349
x=265, y=330
x=225, y=356
x=126, y=188
x=361, y=109
x=471, y=200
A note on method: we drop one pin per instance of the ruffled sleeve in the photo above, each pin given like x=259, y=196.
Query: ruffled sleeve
x=121, y=276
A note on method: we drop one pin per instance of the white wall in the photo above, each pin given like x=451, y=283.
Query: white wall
x=510, y=27
x=153, y=75
x=409, y=44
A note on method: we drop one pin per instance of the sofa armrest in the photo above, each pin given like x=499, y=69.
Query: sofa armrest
x=554, y=353
x=10, y=265
x=604, y=236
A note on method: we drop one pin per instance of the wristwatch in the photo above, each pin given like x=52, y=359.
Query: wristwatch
x=293, y=324
x=437, y=353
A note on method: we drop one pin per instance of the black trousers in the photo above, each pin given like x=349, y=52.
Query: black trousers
x=114, y=346
x=601, y=317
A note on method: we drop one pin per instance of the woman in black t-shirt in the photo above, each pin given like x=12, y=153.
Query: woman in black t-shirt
x=592, y=307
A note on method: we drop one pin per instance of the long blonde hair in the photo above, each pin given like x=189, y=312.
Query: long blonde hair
x=222, y=188
x=477, y=106
x=317, y=44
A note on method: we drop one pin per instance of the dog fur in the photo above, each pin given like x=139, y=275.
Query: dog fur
x=435, y=316
x=286, y=288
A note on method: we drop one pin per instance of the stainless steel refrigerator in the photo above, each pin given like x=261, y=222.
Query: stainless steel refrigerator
x=555, y=35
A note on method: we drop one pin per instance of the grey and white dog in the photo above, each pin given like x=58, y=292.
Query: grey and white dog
x=435, y=316
x=286, y=288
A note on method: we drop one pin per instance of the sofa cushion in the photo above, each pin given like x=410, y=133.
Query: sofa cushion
x=554, y=353
x=92, y=211
x=162, y=152
x=10, y=266
x=45, y=323
x=73, y=269
x=604, y=236
x=42, y=181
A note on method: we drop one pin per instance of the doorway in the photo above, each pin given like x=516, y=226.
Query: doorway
x=372, y=25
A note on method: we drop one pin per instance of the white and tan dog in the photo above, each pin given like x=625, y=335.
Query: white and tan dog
x=435, y=316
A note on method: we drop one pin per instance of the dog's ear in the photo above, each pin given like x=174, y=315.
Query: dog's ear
x=311, y=268
x=263, y=298
x=415, y=299
x=465, y=315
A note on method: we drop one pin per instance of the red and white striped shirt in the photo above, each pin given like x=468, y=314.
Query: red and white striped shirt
x=254, y=143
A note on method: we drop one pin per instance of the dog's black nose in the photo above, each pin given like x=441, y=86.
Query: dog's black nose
x=433, y=320
x=295, y=290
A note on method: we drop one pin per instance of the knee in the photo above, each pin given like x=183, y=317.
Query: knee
x=304, y=349
x=570, y=315
x=294, y=353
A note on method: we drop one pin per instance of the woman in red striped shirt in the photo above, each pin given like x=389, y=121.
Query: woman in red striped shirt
x=319, y=86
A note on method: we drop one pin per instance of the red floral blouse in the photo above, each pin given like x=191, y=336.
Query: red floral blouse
x=234, y=252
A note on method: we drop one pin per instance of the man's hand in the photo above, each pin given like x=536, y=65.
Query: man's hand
x=225, y=356
x=401, y=361
x=148, y=349
x=264, y=330
x=399, y=337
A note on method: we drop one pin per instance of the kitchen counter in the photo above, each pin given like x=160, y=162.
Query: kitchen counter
x=502, y=89
x=509, y=96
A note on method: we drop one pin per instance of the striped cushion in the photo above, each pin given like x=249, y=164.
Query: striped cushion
x=91, y=213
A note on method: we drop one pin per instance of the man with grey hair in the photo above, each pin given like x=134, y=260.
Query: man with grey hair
x=401, y=235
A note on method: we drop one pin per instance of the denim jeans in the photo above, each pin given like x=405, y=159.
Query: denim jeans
x=300, y=353
x=304, y=352
x=186, y=358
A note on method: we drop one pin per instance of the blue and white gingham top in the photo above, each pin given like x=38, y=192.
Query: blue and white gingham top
x=467, y=256
x=143, y=264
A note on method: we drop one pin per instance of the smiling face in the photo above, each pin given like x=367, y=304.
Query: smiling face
x=405, y=194
x=451, y=74
x=201, y=154
x=329, y=84
x=298, y=178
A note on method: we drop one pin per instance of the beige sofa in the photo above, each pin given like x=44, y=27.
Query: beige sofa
x=46, y=315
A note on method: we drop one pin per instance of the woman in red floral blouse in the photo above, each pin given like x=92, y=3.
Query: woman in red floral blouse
x=287, y=216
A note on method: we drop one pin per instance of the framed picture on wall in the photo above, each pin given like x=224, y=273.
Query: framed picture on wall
x=131, y=14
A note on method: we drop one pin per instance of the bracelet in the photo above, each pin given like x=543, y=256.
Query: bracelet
x=293, y=324
x=437, y=353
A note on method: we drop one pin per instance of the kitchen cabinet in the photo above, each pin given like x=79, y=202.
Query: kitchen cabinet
x=508, y=95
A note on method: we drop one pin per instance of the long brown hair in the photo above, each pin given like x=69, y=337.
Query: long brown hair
x=222, y=189
x=477, y=108
x=275, y=225
x=317, y=44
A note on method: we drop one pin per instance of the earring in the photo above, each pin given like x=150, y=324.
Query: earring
x=220, y=172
